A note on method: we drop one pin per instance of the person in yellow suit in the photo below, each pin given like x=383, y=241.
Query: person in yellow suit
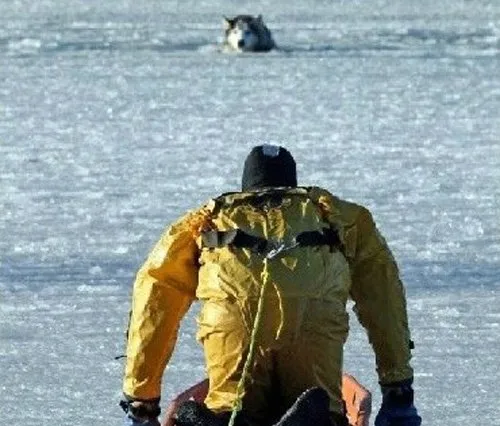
x=273, y=266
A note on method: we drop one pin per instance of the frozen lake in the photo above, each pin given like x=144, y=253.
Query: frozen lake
x=116, y=117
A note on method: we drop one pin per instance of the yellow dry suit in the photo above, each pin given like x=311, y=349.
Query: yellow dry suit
x=319, y=250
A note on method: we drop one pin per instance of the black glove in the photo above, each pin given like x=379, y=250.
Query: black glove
x=141, y=411
x=397, y=407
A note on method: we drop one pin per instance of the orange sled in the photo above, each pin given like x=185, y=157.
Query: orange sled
x=357, y=398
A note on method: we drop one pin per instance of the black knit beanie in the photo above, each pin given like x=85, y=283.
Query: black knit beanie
x=268, y=165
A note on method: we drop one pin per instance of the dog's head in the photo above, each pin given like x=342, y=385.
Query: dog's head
x=245, y=32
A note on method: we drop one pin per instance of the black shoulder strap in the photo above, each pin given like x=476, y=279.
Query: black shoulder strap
x=264, y=199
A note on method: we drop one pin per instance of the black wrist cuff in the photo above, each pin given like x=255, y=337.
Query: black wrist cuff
x=141, y=409
x=398, y=394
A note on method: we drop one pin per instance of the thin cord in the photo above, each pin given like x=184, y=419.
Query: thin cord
x=251, y=349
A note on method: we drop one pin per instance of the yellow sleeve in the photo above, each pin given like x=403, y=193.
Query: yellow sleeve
x=163, y=291
x=380, y=301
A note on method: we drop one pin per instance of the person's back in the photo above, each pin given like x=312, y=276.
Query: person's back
x=245, y=228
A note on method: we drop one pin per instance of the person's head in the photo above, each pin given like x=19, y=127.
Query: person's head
x=268, y=166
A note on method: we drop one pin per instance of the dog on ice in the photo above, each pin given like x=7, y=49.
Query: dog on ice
x=246, y=33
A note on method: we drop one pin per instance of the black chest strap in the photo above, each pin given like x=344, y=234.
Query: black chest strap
x=240, y=239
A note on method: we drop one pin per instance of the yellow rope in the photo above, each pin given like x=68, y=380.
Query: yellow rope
x=251, y=348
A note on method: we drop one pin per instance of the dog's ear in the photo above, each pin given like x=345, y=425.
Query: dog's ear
x=228, y=23
x=259, y=18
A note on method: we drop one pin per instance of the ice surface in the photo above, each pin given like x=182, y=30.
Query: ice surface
x=117, y=116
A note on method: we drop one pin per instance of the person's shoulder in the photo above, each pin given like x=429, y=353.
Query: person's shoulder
x=212, y=206
x=341, y=205
x=194, y=219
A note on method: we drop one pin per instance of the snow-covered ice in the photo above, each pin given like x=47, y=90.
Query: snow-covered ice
x=117, y=116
